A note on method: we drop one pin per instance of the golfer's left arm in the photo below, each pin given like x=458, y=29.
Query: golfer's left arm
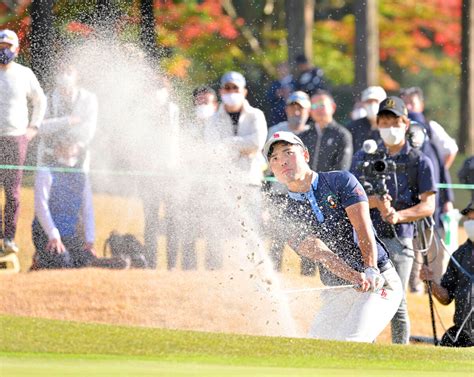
x=359, y=217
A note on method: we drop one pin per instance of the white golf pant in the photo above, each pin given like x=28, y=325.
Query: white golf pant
x=349, y=315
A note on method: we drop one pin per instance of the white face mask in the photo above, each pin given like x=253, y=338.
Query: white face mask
x=204, y=111
x=469, y=228
x=372, y=109
x=233, y=99
x=392, y=136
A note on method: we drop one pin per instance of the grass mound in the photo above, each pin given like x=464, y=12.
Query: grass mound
x=40, y=339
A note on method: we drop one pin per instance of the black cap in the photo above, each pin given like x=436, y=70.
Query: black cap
x=394, y=105
x=469, y=208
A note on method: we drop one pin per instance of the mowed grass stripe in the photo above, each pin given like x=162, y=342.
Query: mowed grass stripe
x=30, y=335
x=52, y=365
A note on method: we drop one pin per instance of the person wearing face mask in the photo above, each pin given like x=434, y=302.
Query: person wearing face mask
x=240, y=128
x=457, y=284
x=297, y=114
x=205, y=106
x=72, y=111
x=19, y=89
x=366, y=128
x=410, y=197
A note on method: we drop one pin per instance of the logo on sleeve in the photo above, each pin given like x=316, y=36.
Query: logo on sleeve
x=332, y=201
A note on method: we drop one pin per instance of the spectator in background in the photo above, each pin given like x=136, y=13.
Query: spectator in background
x=19, y=89
x=329, y=143
x=366, y=128
x=240, y=127
x=466, y=173
x=278, y=93
x=456, y=284
x=310, y=79
x=237, y=134
x=205, y=103
x=72, y=111
x=297, y=114
x=162, y=131
x=445, y=145
x=60, y=200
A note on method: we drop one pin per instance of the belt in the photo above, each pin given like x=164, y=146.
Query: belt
x=386, y=266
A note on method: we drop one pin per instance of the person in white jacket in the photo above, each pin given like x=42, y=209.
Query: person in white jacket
x=240, y=128
x=236, y=135
x=19, y=89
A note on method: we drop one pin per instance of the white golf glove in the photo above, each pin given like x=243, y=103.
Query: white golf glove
x=375, y=278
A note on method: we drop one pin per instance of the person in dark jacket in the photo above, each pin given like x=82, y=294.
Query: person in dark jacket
x=329, y=143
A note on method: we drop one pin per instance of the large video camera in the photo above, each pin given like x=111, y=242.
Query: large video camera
x=376, y=169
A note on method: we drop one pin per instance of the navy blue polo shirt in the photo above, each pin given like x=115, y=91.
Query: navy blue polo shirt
x=458, y=283
x=321, y=213
x=398, y=187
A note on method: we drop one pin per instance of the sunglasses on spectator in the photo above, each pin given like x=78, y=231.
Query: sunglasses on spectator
x=230, y=87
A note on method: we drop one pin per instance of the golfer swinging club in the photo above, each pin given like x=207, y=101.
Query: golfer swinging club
x=328, y=221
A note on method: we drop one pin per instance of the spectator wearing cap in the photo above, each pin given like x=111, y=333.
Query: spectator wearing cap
x=445, y=145
x=366, y=128
x=310, y=79
x=408, y=196
x=329, y=143
x=457, y=284
x=20, y=89
x=297, y=114
x=236, y=135
x=241, y=127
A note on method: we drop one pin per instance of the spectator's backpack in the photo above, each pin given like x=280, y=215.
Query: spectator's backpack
x=128, y=248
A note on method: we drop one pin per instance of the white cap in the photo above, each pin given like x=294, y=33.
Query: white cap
x=289, y=137
x=234, y=78
x=10, y=37
x=300, y=98
x=373, y=92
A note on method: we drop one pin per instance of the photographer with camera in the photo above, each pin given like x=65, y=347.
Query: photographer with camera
x=400, y=183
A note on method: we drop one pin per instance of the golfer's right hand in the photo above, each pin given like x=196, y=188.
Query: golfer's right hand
x=56, y=246
x=426, y=273
x=375, y=278
x=362, y=284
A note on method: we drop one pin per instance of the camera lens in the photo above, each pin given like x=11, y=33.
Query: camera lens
x=380, y=166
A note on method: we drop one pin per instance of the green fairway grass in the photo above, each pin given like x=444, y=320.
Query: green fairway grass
x=38, y=347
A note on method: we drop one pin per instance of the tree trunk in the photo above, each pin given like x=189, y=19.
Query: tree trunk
x=366, y=44
x=300, y=21
x=42, y=40
x=147, y=32
x=466, y=129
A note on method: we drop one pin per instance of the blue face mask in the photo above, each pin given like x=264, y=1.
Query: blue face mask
x=6, y=55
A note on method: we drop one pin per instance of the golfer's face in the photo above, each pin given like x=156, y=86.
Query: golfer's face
x=288, y=162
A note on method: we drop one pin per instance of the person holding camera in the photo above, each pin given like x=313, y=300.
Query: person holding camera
x=404, y=192
x=457, y=284
x=328, y=221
